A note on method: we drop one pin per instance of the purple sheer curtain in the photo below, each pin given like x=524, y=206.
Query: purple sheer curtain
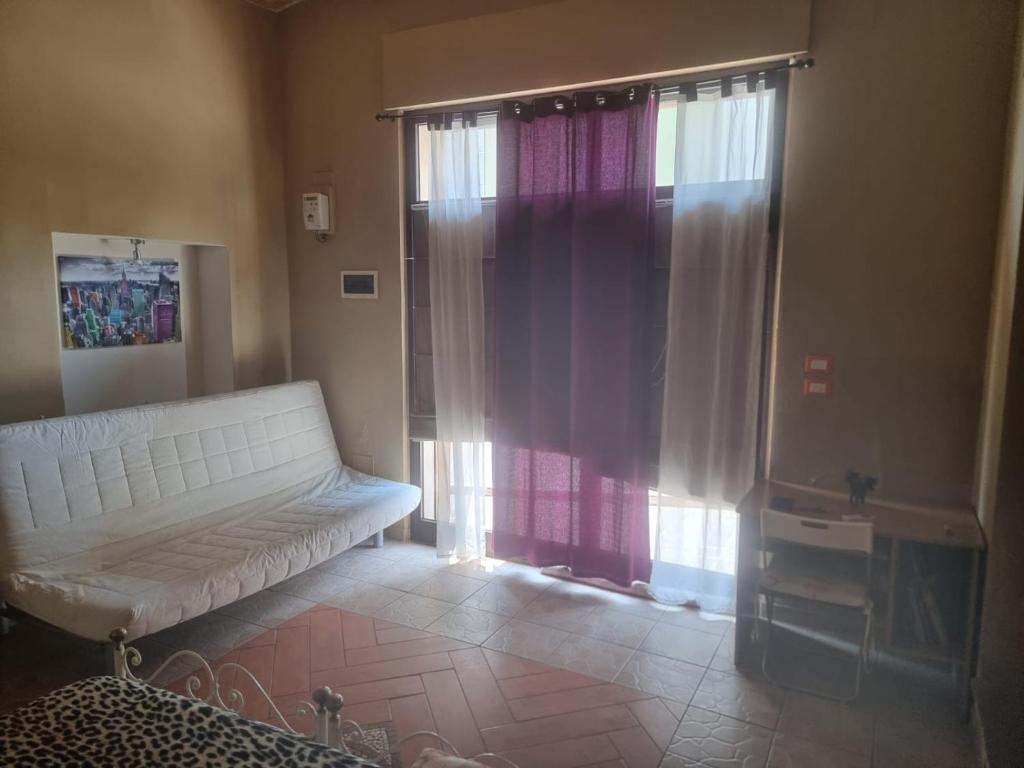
x=573, y=244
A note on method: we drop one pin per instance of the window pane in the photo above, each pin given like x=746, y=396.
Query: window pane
x=665, y=150
x=487, y=153
x=427, y=471
x=728, y=141
x=429, y=479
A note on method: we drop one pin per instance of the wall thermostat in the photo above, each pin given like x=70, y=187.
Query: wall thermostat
x=316, y=212
x=360, y=284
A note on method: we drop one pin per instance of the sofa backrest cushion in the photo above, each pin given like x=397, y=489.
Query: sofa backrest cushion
x=70, y=484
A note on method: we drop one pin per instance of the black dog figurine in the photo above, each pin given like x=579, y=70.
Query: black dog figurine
x=860, y=486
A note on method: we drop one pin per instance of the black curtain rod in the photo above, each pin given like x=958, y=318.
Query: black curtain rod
x=793, y=63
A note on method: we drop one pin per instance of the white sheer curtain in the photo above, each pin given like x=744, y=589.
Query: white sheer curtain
x=713, y=352
x=455, y=230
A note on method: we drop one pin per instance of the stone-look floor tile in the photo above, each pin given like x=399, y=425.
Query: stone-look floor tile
x=708, y=738
x=905, y=742
x=397, y=574
x=316, y=585
x=210, y=635
x=267, y=608
x=483, y=568
x=788, y=752
x=675, y=761
x=825, y=722
x=400, y=575
x=361, y=597
x=661, y=676
x=557, y=611
x=413, y=611
x=587, y=656
x=423, y=556
x=616, y=627
x=531, y=641
x=581, y=592
x=745, y=698
x=354, y=564
x=524, y=574
x=724, y=659
x=631, y=604
x=469, y=624
x=505, y=597
x=692, y=618
x=681, y=644
x=449, y=587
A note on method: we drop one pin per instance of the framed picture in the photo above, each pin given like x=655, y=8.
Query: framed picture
x=118, y=302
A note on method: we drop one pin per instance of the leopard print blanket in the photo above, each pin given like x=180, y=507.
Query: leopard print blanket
x=106, y=721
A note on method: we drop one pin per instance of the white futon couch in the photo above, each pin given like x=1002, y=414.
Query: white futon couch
x=144, y=517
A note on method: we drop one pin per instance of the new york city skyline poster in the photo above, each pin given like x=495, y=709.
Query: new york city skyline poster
x=118, y=302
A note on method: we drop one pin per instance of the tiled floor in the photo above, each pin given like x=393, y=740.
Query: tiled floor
x=495, y=656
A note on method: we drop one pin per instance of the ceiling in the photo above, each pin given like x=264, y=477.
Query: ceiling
x=274, y=5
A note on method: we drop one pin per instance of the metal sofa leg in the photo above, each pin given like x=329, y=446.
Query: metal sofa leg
x=378, y=539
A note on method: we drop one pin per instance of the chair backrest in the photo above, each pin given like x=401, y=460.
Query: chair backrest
x=852, y=537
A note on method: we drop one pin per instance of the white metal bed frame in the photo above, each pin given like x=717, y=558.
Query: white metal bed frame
x=330, y=728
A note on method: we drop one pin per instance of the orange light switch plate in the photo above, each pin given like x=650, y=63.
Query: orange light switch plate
x=817, y=388
x=818, y=364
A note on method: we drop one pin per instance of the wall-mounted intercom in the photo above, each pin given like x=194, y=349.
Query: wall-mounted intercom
x=316, y=212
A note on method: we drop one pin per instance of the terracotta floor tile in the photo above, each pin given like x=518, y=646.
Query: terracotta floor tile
x=636, y=748
x=358, y=631
x=260, y=662
x=485, y=698
x=326, y=649
x=367, y=713
x=545, y=682
x=366, y=673
x=380, y=689
x=451, y=712
x=226, y=678
x=267, y=638
x=287, y=706
x=408, y=715
x=540, y=715
x=570, y=753
x=551, y=729
x=302, y=620
x=656, y=719
x=291, y=661
x=405, y=649
x=503, y=665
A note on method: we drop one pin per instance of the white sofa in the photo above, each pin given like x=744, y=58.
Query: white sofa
x=145, y=517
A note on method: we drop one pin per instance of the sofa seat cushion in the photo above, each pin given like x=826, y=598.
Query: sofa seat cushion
x=150, y=582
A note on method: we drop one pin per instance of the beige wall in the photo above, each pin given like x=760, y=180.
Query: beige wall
x=332, y=85
x=573, y=42
x=138, y=117
x=1007, y=265
x=892, y=186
